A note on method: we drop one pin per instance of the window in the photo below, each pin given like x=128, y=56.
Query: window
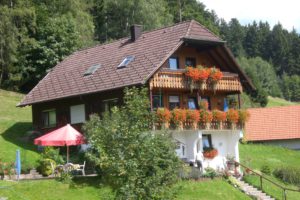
x=126, y=61
x=49, y=118
x=109, y=104
x=191, y=62
x=157, y=101
x=173, y=63
x=206, y=141
x=192, y=103
x=77, y=114
x=208, y=101
x=91, y=70
x=174, y=102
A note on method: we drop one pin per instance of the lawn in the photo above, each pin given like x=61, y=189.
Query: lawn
x=257, y=155
x=90, y=188
x=275, y=101
x=14, y=123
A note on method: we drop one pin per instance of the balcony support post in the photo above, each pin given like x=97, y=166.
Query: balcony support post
x=239, y=100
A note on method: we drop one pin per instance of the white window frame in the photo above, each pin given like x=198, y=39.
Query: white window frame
x=77, y=114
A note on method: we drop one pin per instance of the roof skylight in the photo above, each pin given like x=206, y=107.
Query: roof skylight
x=91, y=70
x=126, y=61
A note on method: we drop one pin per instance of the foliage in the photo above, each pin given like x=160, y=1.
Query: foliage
x=244, y=116
x=265, y=169
x=7, y=168
x=193, y=116
x=210, y=172
x=65, y=177
x=179, y=115
x=215, y=75
x=163, y=115
x=46, y=166
x=210, y=152
x=218, y=116
x=131, y=158
x=232, y=116
x=203, y=104
x=288, y=174
x=53, y=154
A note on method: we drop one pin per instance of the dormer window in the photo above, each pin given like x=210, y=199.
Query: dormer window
x=126, y=61
x=174, y=63
x=91, y=70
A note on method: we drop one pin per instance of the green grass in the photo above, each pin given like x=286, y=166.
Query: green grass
x=275, y=101
x=209, y=190
x=90, y=188
x=14, y=123
x=257, y=155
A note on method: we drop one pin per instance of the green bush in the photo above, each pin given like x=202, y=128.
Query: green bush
x=210, y=173
x=53, y=154
x=288, y=174
x=265, y=169
x=45, y=167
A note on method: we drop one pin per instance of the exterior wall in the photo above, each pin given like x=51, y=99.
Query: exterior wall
x=290, y=144
x=225, y=141
x=93, y=104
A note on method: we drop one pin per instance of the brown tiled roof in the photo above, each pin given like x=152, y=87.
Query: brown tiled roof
x=273, y=123
x=151, y=50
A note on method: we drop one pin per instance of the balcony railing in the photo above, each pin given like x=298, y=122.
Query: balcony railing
x=177, y=80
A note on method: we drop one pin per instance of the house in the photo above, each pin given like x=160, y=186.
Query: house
x=92, y=81
x=275, y=126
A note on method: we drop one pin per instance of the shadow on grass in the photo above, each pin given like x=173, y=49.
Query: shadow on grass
x=95, y=181
x=17, y=134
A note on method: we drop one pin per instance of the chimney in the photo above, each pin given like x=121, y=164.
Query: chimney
x=135, y=32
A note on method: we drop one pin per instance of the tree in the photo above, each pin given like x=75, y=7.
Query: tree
x=137, y=163
x=235, y=37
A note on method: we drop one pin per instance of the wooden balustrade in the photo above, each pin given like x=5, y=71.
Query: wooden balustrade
x=177, y=80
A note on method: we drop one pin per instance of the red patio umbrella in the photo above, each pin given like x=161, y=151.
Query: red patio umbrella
x=64, y=136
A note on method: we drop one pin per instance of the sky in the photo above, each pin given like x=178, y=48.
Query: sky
x=286, y=12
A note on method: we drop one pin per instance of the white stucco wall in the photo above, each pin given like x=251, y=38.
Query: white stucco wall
x=225, y=141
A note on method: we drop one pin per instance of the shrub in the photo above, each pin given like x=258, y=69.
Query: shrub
x=45, y=167
x=7, y=168
x=178, y=115
x=205, y=116
x=135, y=162
x=163, y=115
x=218, y=116
x=210, y=173
x=232, y=116
x=288, y=174
x=244, y=116
x=265, y=169
x=193, y=116
x=53, y=154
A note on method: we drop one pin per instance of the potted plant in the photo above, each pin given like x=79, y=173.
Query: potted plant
x=210, y=152
x=206, y=118
x=232, y=117
x=193, y=76
x=203, y=74
x=179, y=117
x=219, y=117
x=244, y=116
x=193, y=117
x=215, y=75
x=163, y=116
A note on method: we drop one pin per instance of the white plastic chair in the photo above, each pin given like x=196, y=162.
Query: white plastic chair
x=81, y=169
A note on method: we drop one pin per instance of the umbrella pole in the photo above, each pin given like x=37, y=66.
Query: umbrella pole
x=67, y=154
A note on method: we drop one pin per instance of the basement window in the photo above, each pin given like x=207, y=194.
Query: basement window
x=126, y=61
x=91, y=70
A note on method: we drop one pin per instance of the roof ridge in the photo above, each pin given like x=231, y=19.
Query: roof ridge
x=127, y=37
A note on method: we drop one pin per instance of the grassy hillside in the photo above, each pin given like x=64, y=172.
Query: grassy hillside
x=14, y=123
x=257, y=155
x=275, y=101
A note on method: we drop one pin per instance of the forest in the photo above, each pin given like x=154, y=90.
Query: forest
x=37, y=34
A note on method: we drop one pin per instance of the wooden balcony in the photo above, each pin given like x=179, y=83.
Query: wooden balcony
x=168, y=79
